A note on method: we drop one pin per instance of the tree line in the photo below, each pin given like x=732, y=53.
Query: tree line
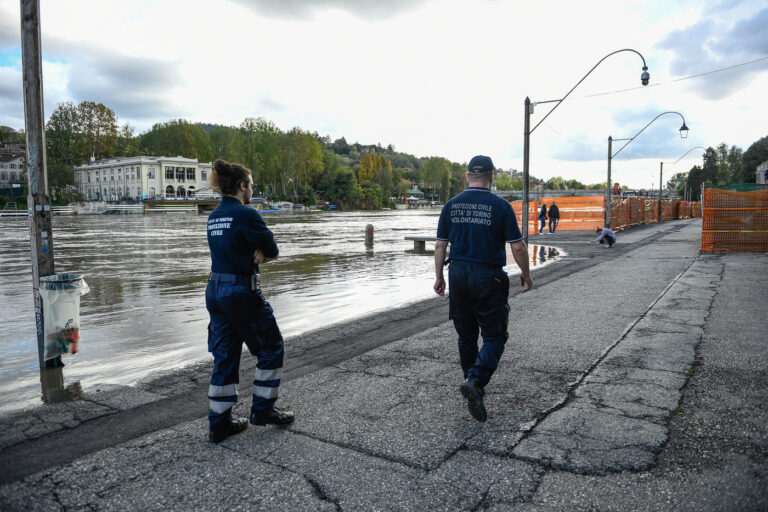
x=721, y=166
x=302, y=166
x=294, y=165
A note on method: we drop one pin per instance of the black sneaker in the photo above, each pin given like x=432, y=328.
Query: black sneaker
x=474, y=395
x=272, y=417
x=235, y=427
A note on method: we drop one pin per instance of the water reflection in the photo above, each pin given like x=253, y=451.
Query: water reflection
x=541, y=254
x=146, y=308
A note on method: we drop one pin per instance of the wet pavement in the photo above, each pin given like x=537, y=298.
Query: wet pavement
x=634, y=379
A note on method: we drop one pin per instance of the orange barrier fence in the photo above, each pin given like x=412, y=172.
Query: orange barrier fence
x=669, y=209
x=734, y=221
x=577, y=213
x=582, y=213
x=650, y=211
x=533, y=215
x=684, y=210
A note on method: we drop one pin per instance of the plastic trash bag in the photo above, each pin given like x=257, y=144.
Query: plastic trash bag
x=61, y=312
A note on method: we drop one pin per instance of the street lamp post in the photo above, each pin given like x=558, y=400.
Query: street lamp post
x=527, y=130
x=611, y=156
x=673, y=163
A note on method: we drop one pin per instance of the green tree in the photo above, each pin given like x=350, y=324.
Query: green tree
x=64, y=143
x=223, y=141
x=458, y=178
x=97, y=126
x=177, y=137
x=709, y=168
x=371, y=195
x=127, y=142
x=755, y=154
x=434, y=174
x=503, y=182
x=735, y=164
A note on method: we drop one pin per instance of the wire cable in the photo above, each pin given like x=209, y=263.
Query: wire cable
x=677, y=79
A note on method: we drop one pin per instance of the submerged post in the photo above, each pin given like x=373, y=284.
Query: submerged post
x=369, y=235
x=38, y=202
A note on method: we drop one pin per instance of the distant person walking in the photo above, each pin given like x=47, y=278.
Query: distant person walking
x=605, y=235
x=478, y=226
x=239, y=241
x=554, y=217
x=542, y=217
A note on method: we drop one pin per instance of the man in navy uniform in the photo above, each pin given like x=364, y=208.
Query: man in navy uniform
x=478, y=225
x=239, y=241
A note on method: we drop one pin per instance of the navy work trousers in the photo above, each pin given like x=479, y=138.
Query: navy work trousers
x=478, y=304
x=553, y=224
x=239, y=315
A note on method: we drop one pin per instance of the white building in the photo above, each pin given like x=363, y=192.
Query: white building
x=761, y=173
x=143, y=177
x=12, y=169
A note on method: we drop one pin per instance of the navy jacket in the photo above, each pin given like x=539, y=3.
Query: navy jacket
x=235, y=231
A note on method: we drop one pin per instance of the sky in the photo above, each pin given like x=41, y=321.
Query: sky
x=431, y=77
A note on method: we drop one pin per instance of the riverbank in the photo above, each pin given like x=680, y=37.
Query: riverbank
x=634, y=379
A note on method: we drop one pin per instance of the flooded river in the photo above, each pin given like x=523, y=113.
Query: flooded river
x=146, y=308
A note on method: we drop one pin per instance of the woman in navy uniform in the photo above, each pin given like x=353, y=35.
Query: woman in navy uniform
x=239, y=241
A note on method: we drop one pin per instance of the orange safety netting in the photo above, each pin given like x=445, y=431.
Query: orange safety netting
x=669, y=209
x=650, y=211
x=533, y=214
x=580, y=213
x=734, y=221
x=684, y=210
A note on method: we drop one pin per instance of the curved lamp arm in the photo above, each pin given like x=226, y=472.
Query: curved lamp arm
x=697, y=147
x=644, y=78
x=683, y=128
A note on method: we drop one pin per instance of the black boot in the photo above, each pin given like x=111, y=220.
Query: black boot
x=272, y=417
x=474, y=395
x=235, y=427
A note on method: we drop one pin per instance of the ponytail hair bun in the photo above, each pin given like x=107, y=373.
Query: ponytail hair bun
x=227, y=177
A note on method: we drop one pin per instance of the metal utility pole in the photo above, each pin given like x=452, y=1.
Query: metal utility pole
x=38, y=202
x=607, y=220
x=526, y=144
x=661, y=169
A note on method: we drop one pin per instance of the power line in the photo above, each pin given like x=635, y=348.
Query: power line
x=678, y=79
x=571, y=140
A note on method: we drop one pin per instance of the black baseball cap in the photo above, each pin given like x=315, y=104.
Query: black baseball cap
x=480, y=163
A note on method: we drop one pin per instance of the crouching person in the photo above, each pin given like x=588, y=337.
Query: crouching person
x=239, y=241
x=605, y=235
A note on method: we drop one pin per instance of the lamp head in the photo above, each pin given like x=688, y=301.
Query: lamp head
x=683, y=131
x=645, y=77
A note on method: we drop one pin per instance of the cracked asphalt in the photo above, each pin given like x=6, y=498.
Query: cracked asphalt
x=634, y=379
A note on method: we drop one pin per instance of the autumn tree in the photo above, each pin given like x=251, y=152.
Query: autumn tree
x=97, y=126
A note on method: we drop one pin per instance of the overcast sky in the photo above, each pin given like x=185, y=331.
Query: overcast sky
x=432, y=77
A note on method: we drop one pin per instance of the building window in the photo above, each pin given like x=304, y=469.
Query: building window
x=88, y=175
x=4, y=176
x=138, y=173
x=150, y=173
x=180, y=174
x=11, y=166
x=2, y=166
x=151, y=192
x=120, y=174
x=191, y=173
x=203, y=175
x=169, y=173
x=13, y=176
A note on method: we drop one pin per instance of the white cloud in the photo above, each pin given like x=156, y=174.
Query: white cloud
x=443, y=78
